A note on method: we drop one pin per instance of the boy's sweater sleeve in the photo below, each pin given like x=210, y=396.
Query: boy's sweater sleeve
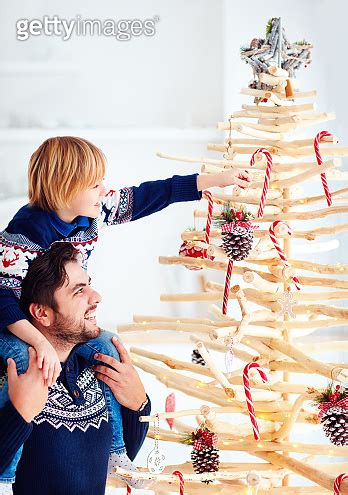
x=10, y=311
x=14, y=431
x=134, y=432
x=132, y=203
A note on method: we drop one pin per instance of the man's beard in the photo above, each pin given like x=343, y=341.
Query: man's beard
x=66, y=331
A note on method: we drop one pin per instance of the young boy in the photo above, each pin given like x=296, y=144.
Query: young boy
x=68, y=202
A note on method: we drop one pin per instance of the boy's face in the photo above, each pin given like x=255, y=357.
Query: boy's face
x=87, y=203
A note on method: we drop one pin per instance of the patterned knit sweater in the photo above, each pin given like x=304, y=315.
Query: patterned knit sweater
x=32, y=231
x=66, y=446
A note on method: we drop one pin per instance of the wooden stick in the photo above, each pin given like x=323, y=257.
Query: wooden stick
x=284, y=109
x=310, y=235
x=311, y=364
x=319, y=477
x=214, y=369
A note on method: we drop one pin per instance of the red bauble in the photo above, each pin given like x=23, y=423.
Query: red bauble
x=190, y=250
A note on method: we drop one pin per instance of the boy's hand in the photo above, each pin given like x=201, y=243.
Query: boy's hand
x=48, y=361
x=233, y=177
x=28, y=392
x=236, y=177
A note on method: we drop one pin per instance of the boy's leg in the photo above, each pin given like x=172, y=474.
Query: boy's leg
x=10, y=347
x=123, y=461
x=104, y=345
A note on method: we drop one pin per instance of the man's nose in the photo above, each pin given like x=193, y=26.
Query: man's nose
x=94, y=297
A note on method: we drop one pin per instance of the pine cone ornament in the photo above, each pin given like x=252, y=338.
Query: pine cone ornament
x=335, y=425
x=205, y=460
x=237, y=232
x=238, y=243
x=196, y=357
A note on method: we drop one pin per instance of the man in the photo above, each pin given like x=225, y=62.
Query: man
x=65, y=430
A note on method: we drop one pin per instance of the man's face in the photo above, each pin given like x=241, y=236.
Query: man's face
x=75, y=318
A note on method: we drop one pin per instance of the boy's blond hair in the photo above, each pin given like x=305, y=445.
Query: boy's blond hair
x=62, y=167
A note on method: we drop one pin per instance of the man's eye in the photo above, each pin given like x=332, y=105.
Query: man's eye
x=80, y=291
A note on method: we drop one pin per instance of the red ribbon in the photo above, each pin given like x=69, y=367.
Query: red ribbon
x=230, y=226
x=325, y=406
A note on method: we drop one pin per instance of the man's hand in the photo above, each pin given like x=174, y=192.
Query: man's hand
x=123, y=379
x=28, y=392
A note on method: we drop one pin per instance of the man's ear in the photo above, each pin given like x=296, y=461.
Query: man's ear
x=41, y=313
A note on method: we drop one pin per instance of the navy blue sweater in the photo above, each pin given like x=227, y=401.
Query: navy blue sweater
x=66, y=446
x=32, y=231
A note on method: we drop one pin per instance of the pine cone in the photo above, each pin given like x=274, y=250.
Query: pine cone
x=335, y=425
x=238, y=244
x=196, y=357
x=205, y=460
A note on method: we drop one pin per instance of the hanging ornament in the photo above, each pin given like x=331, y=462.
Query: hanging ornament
x=333, y=413
x=181, y=481
x=249, y=399
x=268, y=156
x=205, y=455
x=229, y=356
x=156, y=459
x=196, y=357
x=287, y=302
x=318, y=156
x=282, y=256
x=253, y=482
x=170, y=407
x=338, y=481
x=237, y=240
x=199, y=249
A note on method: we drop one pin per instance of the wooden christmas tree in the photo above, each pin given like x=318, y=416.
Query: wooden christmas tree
x=281, y=299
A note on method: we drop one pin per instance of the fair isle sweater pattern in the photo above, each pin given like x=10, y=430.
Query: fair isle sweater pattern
x=60, y=410
x=17, y=251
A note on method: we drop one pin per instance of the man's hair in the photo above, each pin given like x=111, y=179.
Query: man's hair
x=45, y=275
x=62, y=167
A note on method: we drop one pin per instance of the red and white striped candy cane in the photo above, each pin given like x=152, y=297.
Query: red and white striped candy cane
x=249, y=400
x=208, y=196
x=317, y=140
x=227, y=286
x=181, y=481
x=337, y=483
x=279, y=249
x=267, y=177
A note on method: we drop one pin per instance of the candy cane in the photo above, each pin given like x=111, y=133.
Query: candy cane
x=181, y=481
x=249, y=400
x=337, y=483
x=208, y=196
x=279, y=249
x=227, y=287
x=317, y=140
x=267, y=177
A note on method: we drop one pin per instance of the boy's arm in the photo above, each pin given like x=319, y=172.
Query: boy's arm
x=134, y=432
x=132, y=203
